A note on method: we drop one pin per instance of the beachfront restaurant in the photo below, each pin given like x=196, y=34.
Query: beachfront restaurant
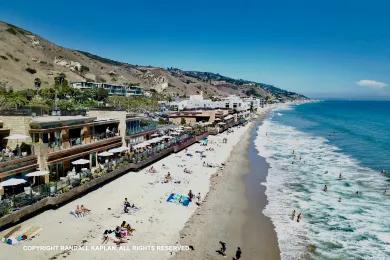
x=69, y=146
x=139, y=129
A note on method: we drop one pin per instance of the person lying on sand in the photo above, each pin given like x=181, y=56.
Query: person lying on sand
x=167, y=178
x=106, y=237
x=84, y=210
x=126, y=206
x=152, y=170
x=78, y=212
x=127, y=227
x=187, y=171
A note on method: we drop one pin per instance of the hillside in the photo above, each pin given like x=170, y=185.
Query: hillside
x=24, y=57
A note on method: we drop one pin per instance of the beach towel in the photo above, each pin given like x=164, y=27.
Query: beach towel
x=179, y=199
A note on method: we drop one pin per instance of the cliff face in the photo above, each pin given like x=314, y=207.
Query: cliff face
x=25, y=57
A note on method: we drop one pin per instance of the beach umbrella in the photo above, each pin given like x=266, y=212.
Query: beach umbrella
x=118, y=149
x=12, y=182
x=37, y=173
x=17, y=137
x=105, y=154
x=154, y=135
x=80, y=162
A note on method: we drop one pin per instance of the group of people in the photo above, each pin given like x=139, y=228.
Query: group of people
x=120, y=233
x=299, y=216
x=167, y=178
x=191, y=197
x=80, y=211
x=222, y=251
x=8, y=152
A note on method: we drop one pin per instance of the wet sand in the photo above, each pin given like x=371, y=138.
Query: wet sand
x=232, y=210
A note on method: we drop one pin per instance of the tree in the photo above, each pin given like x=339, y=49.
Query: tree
x=15, y=100
x=37, y=82
x=101, y=94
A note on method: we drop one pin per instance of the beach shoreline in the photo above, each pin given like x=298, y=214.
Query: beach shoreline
x=157, y=222
x=232, y=211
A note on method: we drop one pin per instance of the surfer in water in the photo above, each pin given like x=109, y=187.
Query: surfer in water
x=325, y=189
x=340, y=176
x=293, y=215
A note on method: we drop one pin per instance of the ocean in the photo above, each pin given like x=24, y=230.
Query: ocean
x=344, y=145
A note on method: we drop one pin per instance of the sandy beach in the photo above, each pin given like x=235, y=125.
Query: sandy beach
x=232, y=211
x=157, y=222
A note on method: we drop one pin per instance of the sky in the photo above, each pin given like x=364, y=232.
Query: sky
x=323, y=49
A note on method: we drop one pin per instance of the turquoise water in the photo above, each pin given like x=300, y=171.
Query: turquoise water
x=309, y=146
x=359, y=128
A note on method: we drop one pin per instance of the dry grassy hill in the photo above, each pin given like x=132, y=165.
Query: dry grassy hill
x=25, y=56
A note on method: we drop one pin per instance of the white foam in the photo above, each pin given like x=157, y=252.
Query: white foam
x=356, y=227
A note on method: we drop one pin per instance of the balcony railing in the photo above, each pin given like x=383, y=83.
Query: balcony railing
x=72, y=142
x=141, y=129
x=72, y=180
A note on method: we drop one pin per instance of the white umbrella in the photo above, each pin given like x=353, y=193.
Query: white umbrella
x=154, y=135
x=17, y=137
x=12, y=182
x=118, y=149
x=80, y=162
x=37, y=173
x=105, y=154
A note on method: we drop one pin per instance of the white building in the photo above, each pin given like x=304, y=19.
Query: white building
x=118, y=90
x=231, y=102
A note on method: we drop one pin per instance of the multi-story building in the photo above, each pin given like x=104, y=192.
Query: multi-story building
x=231, y=102
x=117, y=90
x=139, y=128
x=59, y=140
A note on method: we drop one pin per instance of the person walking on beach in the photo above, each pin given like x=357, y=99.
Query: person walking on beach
x=198, y=198
x=190, y=195
x=293, y=215
x=238, y=253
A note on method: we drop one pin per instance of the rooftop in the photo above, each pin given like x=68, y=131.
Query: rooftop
x=45, y=122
